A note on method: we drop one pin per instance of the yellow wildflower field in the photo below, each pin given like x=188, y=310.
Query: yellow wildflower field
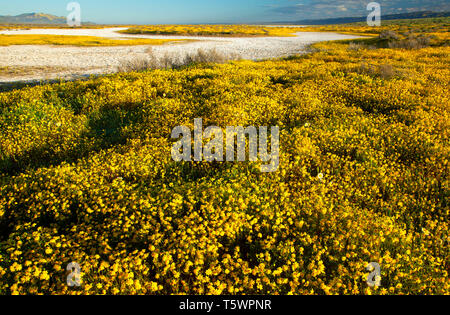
x=87, y=177
x=8, y=26
x=7, y=40
x=212, y=30
x=429, y=25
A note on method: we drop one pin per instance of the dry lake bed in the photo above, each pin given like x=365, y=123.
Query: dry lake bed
x=43, y=62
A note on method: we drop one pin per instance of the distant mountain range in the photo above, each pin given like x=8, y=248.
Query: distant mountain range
x=402, y=16
x=33, y=18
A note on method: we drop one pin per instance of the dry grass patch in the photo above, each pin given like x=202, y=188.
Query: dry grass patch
x=172, y=61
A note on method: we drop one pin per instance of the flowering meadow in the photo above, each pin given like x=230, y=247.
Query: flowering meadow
x=7, y=40
x=213, y=30
x=87, y=177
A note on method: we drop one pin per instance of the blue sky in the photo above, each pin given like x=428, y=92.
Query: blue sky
x=214, y=11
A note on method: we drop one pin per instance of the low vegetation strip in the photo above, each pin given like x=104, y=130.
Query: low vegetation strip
x=13, y=27
x=433, y=26
x=213, y=30
x=7, y=40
